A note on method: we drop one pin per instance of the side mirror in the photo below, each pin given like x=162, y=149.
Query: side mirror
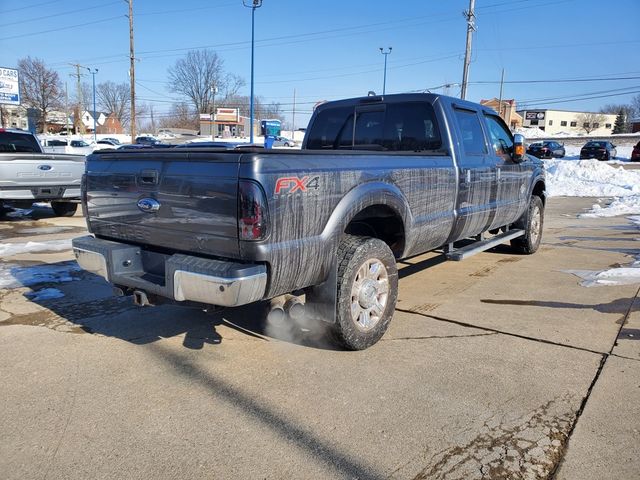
x=518, y=148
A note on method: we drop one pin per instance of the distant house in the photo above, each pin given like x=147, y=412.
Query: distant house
x=506, y=110
x=88, y=116
x=111, y=125
x=635, y=125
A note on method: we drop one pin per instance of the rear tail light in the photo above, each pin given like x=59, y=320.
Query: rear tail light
x=252, y=211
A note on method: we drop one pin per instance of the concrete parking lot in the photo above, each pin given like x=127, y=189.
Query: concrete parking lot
x=499, y=367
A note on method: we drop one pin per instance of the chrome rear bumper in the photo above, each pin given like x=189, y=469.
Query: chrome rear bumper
x=186, y=277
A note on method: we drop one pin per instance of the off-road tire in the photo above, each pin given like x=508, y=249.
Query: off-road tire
x=531, y=222
x=354, y=255
x=64, y=209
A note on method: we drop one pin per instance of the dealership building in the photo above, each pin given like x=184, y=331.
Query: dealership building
x=564, y=121
x=226, y=123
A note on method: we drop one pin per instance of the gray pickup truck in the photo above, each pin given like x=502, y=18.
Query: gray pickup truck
x=28, y=175
x=378, y=179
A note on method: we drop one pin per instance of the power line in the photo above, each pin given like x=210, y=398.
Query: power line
x=590, y=98
x=59, y=14
x=68, y=27
x=31, y=6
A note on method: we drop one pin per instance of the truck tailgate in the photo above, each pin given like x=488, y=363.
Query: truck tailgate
x=173, y=200
x=40, y=170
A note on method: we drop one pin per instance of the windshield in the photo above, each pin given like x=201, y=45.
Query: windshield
x=596, y=145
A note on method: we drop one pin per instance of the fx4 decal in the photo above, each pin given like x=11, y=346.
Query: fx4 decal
x=285, y=185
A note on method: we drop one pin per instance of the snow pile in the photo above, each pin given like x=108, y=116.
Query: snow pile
x=531, y=132
x=15, y=276
x=590, y=178
x=614, y=276
x=10, y=249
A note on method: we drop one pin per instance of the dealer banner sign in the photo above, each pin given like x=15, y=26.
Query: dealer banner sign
x=9, y=86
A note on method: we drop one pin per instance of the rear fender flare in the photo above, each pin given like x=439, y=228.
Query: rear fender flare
x=359, y=198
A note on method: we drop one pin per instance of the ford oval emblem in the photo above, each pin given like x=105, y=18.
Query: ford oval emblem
x=148, y=205
x=44, y=167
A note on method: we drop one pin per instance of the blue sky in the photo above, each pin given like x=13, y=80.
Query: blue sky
x=330, y=49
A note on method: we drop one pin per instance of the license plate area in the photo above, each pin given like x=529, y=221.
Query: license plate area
x=47, y=192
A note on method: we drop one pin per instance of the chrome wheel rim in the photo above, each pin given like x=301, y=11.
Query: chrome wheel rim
x=536, y=224
x=369, y=294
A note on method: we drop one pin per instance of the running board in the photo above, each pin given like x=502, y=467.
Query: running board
x=482, y=245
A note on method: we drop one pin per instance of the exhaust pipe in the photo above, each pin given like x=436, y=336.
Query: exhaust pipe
x=276, y=313
x=294, y=308
x=140, y=298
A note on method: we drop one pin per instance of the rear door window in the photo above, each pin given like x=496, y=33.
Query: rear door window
x=470, y=131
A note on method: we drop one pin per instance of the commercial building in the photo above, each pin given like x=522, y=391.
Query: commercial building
x=506, y=109
x=227, y=123
x=565, y=121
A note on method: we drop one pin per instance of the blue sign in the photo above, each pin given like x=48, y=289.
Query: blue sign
x=9, y=86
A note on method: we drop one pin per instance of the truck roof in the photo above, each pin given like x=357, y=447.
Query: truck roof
x=399, y=98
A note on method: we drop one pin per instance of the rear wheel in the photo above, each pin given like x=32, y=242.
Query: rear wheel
x=367, y=291
x=531, y=222
x=64, y=209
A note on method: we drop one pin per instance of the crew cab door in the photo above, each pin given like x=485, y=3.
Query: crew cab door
x=477, y=174
x=511, y=177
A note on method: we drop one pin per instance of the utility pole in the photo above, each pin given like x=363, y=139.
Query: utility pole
x=78, y=120
x=66, y=109
x=500, y=101
x=95, y=120
x=471, y=27
x=132, y=72
x=384, y=80
x=293, y=121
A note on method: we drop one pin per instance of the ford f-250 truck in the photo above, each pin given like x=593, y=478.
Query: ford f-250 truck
x=29, y=175
x=378, y=179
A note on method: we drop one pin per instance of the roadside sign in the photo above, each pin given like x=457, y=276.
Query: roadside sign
x=9, y=86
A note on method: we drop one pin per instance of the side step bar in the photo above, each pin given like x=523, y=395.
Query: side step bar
x=481, y=245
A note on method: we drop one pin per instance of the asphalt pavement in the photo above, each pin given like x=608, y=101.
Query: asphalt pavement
x=499, y=367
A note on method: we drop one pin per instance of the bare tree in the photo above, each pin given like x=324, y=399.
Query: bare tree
x=635, y=105
x=40, y=86
x=114, y=98
x=261, y=109
x=590, y=121
x=196, y=75
x=180, y=116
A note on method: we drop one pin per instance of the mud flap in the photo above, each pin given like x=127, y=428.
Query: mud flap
x=321, y=300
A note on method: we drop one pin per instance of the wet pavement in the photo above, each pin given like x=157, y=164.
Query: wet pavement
x=498, y=367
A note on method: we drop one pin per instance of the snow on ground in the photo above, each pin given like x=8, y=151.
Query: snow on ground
x=15, y=276
x=614, y=276
x=11, y=249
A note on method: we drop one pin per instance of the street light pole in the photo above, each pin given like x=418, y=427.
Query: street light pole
x=93, y=74
x=214, y=128
x=252, y=4
x=384, y=81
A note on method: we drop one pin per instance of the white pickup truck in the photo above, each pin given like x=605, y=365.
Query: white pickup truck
x=29, y=175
